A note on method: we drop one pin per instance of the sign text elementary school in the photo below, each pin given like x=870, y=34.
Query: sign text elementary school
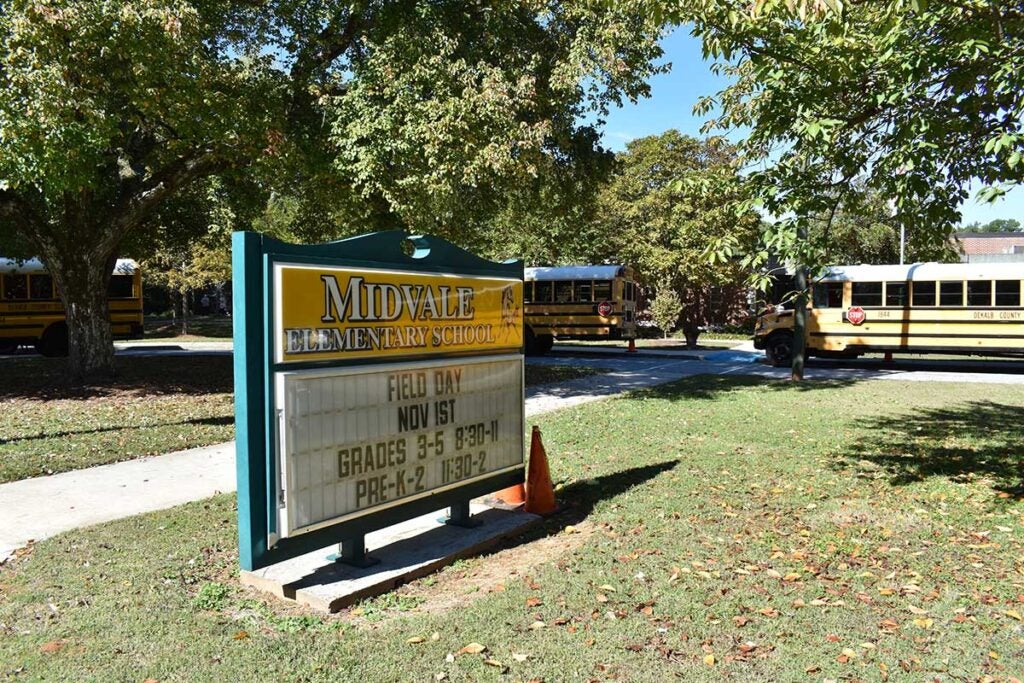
x=372, y=385
x=334, y=313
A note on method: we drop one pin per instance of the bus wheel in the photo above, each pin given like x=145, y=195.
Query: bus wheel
x=780, y=350
x=54, y=341
x=544, y=343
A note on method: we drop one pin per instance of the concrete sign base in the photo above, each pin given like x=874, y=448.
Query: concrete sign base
x=407, y=551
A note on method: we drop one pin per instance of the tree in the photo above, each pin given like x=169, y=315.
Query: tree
x=912, y=100
x=997, y=225
x=666, y=308
x=672, y=197
x=110, y=109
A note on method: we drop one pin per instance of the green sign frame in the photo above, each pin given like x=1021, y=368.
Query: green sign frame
x=253, y=259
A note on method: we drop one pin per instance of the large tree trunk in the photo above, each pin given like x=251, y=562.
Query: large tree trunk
x=691, y=332
x=83, y=279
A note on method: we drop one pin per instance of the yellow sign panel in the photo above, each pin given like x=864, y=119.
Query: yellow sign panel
x=342, y=313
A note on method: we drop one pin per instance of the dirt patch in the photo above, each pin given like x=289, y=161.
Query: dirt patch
x=469, y=580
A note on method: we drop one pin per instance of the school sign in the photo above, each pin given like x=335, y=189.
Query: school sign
x=372, y=385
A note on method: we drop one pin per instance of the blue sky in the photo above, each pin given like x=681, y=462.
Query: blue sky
x=671, y=106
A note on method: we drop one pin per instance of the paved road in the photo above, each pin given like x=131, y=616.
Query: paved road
x=45, y=506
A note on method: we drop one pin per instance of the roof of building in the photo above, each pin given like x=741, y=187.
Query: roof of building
x=574, y=273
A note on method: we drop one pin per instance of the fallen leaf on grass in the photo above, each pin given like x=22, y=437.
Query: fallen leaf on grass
x=769, y=612
x=241, y=635
x=519, y=657
x=495, y=663
x=537, y=625
x=416, y=640
x=1013, y=614
x=52, y=646
x=741, y=621
x=472, y=649
x=709, y=660
x=601, y=597
x=607, y=588
x=922, y=622
x=534, y=602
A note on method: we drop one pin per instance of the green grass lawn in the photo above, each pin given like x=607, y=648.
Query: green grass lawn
x=200, y=328
x=158, y=405
x=721, y=528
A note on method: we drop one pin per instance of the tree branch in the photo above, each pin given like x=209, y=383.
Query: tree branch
x=329, y=44
x=136, y=205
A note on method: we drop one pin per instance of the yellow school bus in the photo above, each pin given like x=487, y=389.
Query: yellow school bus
x=955, y=308
x=578, y=302
x=31, y=312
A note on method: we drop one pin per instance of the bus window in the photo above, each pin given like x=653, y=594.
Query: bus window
x=15, y=286
x=563, y=292
x=542, y=292
x=1007, y=293
x=120, y=287
x=828, y=295
x=979, y=292
x=951, y=293
x=528, y=291
x=584, y=291
x=896, y=294
x=867, y=294
x=40, y=286
x=924, y=293
x=602, y=290
x=629, y=294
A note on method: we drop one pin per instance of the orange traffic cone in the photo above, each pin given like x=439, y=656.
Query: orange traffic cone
x=513, y=495
x=540, y=493
x=632, y=346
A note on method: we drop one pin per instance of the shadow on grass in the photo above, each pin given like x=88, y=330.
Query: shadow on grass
x=975, y=440
x=578, y=502
x=578, y=499
x=711, y=386
x=221, y=421
x=45, y=379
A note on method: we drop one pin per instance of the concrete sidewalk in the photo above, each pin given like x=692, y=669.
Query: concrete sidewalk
x=38, y=508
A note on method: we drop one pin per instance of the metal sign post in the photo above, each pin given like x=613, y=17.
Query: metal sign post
x=371, y=386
